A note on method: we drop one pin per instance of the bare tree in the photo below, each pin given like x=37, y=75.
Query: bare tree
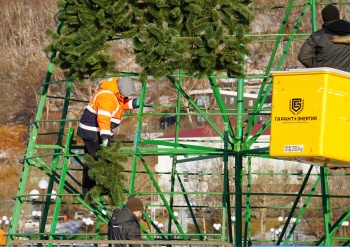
x=269, y=183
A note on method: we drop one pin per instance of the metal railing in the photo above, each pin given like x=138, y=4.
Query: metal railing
x=116, y=243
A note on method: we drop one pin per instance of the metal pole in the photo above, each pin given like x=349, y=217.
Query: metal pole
x=239, y=161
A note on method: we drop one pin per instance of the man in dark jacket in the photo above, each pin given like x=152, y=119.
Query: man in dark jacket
x=329, y=46
x=124, y=224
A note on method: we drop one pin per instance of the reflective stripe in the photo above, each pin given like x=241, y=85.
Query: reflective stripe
x=103, y=91
x=116, y=110
x=83, y=126
x=104, y=113
x=130, y=104
x=114, y=120
x=106, y=132
x=91, y=109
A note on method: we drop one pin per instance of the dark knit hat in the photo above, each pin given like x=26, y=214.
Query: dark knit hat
x=330, y=13
x=135, y=204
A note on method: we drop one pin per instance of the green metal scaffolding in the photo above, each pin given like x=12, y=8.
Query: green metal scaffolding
x=54, y=155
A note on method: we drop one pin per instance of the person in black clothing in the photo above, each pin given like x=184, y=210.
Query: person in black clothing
x=329, y=46
x=124, y=224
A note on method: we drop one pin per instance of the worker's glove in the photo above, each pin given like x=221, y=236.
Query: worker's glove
x=105, y=139
x=113, y=126
x=136, y=103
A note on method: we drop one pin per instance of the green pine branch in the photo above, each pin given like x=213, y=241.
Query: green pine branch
x=169, y=35
x=108, y=172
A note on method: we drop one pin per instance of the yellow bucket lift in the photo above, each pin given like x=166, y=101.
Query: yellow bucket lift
x=310, y=117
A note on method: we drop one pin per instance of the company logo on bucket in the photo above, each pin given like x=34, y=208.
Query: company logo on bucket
x=296, y=105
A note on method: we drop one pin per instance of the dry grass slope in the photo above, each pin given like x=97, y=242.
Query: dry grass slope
x=23, y=63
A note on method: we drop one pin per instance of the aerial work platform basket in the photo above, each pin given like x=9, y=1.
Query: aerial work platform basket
x=310, y=117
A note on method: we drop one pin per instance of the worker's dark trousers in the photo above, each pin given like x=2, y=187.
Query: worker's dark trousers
x=90, y=147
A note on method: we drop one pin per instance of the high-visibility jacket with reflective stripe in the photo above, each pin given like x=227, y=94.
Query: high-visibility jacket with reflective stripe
x=105, y=106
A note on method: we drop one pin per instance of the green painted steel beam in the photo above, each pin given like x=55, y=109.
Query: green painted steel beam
x=248, y=207
x=175, y=158
x=293, y=209
x=326, y=206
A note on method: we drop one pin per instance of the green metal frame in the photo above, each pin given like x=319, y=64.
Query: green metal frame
x=53, y=161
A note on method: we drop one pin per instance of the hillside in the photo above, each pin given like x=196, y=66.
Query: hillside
x=12, y=146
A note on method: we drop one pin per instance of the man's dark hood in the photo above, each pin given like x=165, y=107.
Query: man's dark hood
x=122, y=215
x=338, y=27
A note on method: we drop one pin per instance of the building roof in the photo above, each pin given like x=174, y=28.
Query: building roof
x=223, y=92
x=207, y=131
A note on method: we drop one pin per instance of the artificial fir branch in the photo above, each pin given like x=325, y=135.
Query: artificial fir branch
x=107, y=171
x=198, y=37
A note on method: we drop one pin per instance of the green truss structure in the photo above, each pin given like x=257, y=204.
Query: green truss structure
x=54, y=156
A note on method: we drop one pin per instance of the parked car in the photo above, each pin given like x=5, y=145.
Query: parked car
x=31, y=223
x=79, y=215
x=83, y=214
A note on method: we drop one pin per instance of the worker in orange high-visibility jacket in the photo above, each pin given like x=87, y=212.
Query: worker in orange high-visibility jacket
x=103, y=114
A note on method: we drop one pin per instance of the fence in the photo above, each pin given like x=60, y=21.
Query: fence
x=126, y=243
